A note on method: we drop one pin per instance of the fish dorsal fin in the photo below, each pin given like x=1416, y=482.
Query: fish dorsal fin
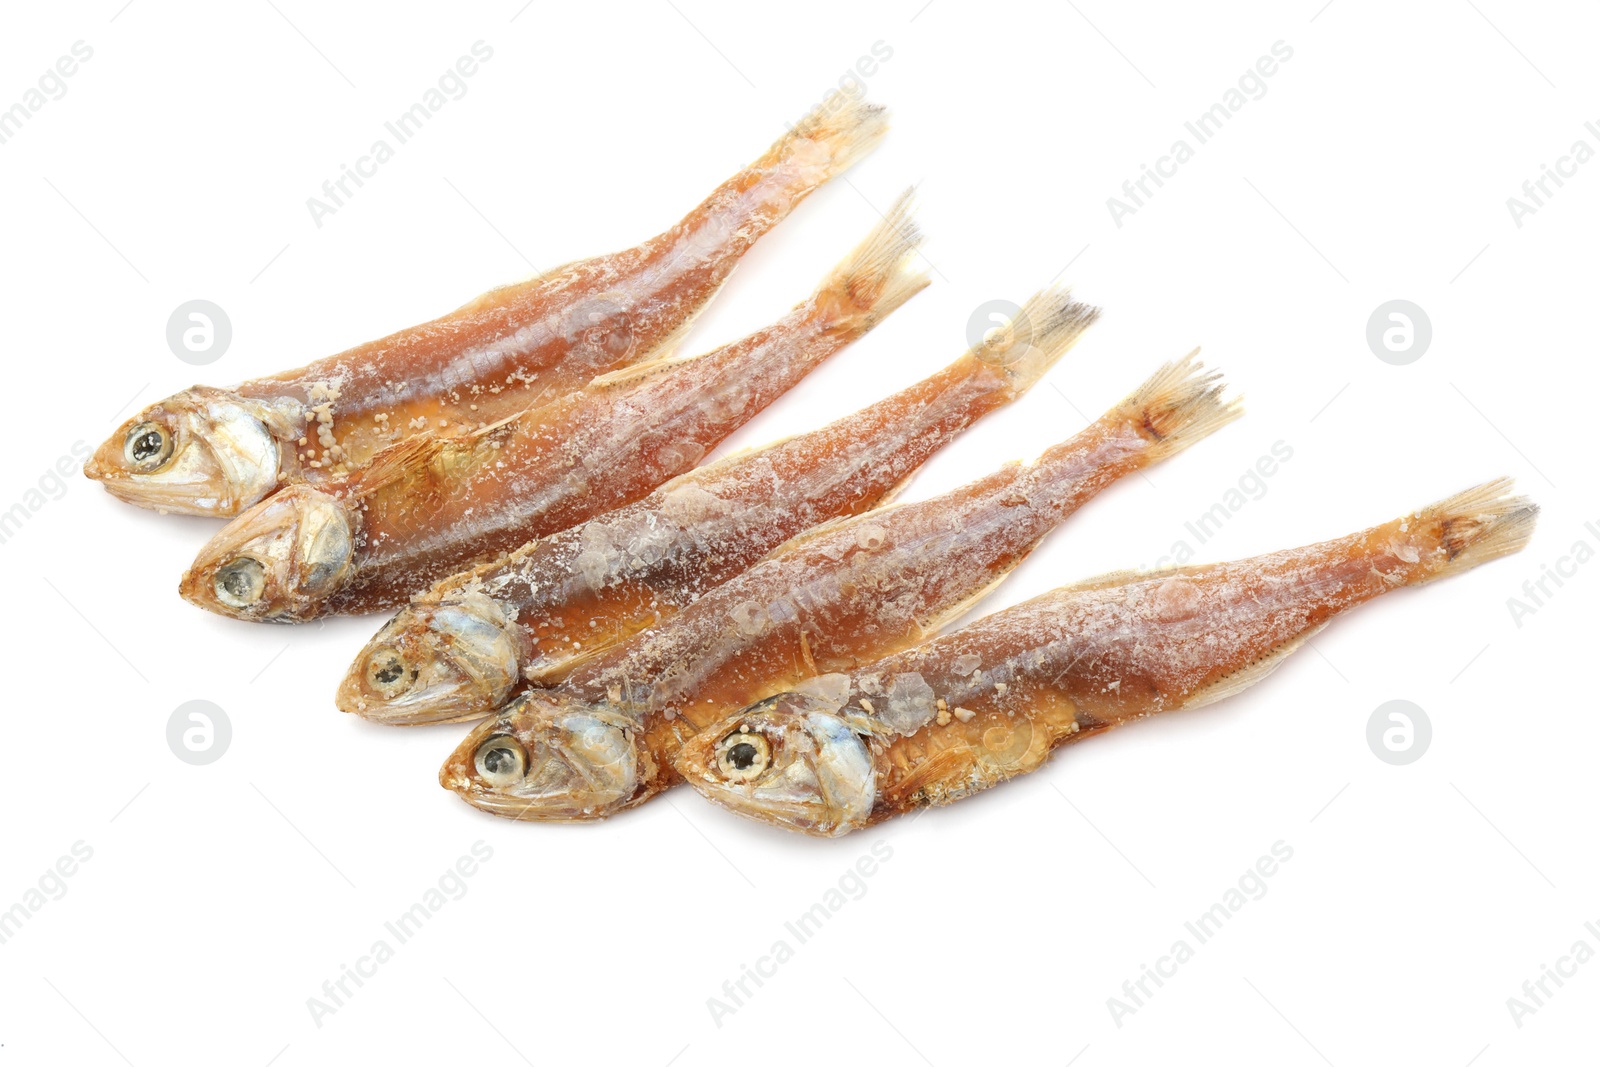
x=1245, y=677
x=807, y=536
x=667, y=347
x=1128, y=577
x=624, y=375
x=896, y=490
x=501, y=293
x=887, y=502
x=739, y=455
x=751, y=451
x=822, y=529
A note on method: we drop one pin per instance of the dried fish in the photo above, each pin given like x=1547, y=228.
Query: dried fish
x=1067, y=665
x=457, y=651
x=844, y=593
x=429, y=507
x=208, y=451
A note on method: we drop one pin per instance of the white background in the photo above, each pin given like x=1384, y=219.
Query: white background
x=1376, y=166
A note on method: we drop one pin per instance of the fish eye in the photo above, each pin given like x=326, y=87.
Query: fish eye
x=500, y=761
x=147, y=447
x=388, y=673
x=240, y=582
x=743, y=756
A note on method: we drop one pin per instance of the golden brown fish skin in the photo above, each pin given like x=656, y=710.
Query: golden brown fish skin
x=829, y=599
x=511, y=349
x=983, y=704
x=428, y=507
x=564, y=599
x=726, y=517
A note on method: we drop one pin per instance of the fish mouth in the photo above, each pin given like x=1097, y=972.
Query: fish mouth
x=445, y=662
x=791, y=760
x=277, y=562
x=200, y=452
x=548, y=758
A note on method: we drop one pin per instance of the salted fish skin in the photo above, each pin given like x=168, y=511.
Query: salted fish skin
x=983, y=704
x=603, y=740
x=457, y=650
x=428, y=507
x=209, y=451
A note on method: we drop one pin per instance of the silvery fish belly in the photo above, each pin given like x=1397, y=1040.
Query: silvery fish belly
x=992, y=700
x=429, y=507
x=209, y=451
x=844, y=593
x=457, y=651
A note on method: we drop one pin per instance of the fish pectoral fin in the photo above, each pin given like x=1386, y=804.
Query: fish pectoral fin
x=1245, y=677
x=934, y=624
x=401, y=460
x=947, y=765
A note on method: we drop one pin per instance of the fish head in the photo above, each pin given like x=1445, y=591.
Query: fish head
x=435, y=662
x=278, y=561
x=794, y=760
x=549, y=757
x=201, y=452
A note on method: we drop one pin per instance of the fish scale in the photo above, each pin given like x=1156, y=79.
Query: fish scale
x=430, y=507
x=1070, y=664
x=567, y=598
x=604, y=738
x=510, y=349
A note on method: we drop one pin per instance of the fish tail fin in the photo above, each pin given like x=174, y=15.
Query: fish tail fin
x=829, y=140
x=1475, y=526
x=1044, y=329
x=877, y=277
x=1178, y=405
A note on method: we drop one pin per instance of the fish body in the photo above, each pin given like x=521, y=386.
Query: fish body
x=844, y=593
x=428, y=507
x=208, y=451
x=457, y=651
x=975, y=707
